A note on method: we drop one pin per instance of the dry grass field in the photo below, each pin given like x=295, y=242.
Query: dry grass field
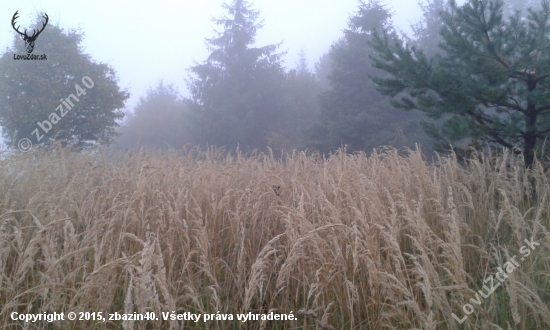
x=347, y=242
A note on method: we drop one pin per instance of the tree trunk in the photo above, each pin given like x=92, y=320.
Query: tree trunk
x=529, y=143
x=530, y=136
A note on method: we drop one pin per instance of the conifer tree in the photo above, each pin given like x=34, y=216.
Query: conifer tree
x=302, y=92
x=427, y=32
x=236, y=92
x=352, y=111
x=492, y=84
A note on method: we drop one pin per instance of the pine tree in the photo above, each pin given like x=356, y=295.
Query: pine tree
x=511, y=6
x=237, y=91
x=492, y=83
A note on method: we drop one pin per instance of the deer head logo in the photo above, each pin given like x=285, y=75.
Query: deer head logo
x=29, y=40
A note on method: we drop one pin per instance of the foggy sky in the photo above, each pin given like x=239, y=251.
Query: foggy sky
x=148, y=40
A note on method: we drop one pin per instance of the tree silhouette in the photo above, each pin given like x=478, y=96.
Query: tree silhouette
x=492, y=82
x=237, y=91
x=46, y=99
x=352, y=111
x=157, y=121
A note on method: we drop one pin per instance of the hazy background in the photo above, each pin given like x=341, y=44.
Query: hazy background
x=145, y=41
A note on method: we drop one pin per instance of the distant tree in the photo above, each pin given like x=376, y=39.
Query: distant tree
x=352, y=111
x=237, y=92
x=301, y=92
x=323, y=67
x=31, y=90
x=492, y=83
x=322, y=70
x=157, y=121
x=302, y=65
x=427, y=32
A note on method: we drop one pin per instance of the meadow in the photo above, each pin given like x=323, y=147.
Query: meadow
x=347, y=241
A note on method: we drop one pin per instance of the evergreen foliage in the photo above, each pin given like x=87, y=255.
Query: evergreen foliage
x=301, y=98
x=427, y=32
x=491, y=84
x=353, y=112
x=237, y=92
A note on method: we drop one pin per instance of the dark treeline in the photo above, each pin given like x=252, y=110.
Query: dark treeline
x=471, y=77
x=244, y=96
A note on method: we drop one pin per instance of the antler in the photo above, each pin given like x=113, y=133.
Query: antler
x=13, y=24
x=29, y=40
x=35, y=34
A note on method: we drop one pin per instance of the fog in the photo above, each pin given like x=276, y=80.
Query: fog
x=146, y=41
x=353, y=183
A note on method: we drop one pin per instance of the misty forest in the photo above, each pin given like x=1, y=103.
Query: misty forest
x=402, y=183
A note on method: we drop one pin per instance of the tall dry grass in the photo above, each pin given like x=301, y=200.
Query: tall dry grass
x=347, y=242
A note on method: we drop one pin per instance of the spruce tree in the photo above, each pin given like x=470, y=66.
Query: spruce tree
x=427, y=32
x=301, y=92
x=236, y=92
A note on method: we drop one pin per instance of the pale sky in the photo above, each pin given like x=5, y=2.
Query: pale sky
x=150, y=40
